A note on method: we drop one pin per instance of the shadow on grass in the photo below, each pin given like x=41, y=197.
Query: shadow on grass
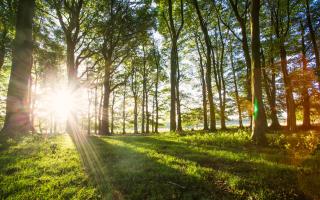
x=121, y=172
x=251, y=174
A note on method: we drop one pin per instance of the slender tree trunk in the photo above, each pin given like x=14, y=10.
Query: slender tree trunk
x=269, y=87
x=291, y=116
x=258, y=129
x=236, y=89
x=152, y=115
x=156, y=99
x=17, y=120
x=305, y=95
x=124, y=110
x=179, y=127
x=203, y=87
x=222, y=92
x=208, y=66
x=112, y=112
x=2, y=54
x=100, y=108
x=147, y=114
x=313, y=39
x=135, y=111
x=34, y=99
x=95, y=109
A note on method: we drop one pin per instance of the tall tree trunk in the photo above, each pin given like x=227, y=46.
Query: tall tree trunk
x=270, y=90
x=124, y=110
x=152, y=114
x=291, y=116
x=313, y=39
x=135, y=111
x=147, y=113
x=179, y=122
x=2, y=54
x=236, y=88
x=95, y=108
x=208, y=66
x=222, y=91
x=104, y=129
x=258, y=129
x=203, y=87
x=112, y=112
x=305, y=95
x=17, y=120
x=173, y=83
x=156, y=98
x=174, y=63
x=100, y=108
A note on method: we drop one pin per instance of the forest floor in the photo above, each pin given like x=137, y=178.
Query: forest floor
x=222, y=165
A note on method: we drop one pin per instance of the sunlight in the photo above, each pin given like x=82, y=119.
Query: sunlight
x=63, y=103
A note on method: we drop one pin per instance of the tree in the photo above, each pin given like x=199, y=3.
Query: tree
x=174, y=30
x=313, y=38
x=280, y=12
x=258, y=129
x=17, y=119
x=208, y=65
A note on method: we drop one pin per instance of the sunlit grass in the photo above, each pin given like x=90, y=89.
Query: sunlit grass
x=36, y=168
x=222, y=165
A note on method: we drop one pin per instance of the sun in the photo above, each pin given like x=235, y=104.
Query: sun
x=63, y=103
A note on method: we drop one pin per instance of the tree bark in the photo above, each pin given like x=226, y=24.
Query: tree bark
x=236, y=89
x=291, y=114
x=104, y=129
x=95, y=109
x=208, y=66
x=313, y=39
x=270, y=90
x=124, y=110
x=203, y=87
x=17, y=120
x=305, y=95
x=258, y=129
x=112, y=112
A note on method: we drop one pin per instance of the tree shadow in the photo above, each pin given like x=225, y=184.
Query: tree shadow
x=255, y=171
x=121, y=172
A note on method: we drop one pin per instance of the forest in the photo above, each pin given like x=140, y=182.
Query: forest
x=159, y=99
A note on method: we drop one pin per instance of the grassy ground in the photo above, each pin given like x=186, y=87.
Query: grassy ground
x=194, y=166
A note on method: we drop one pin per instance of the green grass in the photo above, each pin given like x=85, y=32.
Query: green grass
x=37, y=168
x=194, y=166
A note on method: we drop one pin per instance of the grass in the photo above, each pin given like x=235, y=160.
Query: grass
x=197, y=165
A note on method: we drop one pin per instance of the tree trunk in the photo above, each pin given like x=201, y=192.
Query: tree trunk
x=305, y=95
x=112, y=112
x=208, y=67
x=236, y=89
x=17, y=120
x=124, y=110
x=147, y=114
x=179, y=125
x=95, y=109
x=203, y=87
x=313, y=39
x=173, y=83
x=156, y=100
x=258, y=129
x=104, y=129
x=270, y=90
x=135, y=111
x=2, y=55
x=291, y=116
x=100, y=108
